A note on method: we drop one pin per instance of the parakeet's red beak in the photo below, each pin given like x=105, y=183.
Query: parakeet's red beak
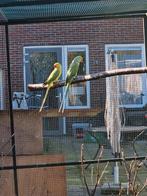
x=55, y=65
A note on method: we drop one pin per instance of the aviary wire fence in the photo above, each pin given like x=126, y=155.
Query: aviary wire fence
x=69, y=153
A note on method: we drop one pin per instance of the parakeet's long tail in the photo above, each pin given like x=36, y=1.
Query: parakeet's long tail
x=44, y=99
x=62, y=105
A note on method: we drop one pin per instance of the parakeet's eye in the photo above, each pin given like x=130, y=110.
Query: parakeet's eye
x=55, y=65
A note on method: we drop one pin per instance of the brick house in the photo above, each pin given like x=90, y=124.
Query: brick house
x=44, y=43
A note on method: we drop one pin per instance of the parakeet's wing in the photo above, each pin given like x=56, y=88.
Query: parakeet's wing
x=54, y=76
x=71, y=73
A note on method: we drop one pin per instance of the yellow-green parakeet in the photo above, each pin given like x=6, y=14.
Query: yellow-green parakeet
x=53, y=77
x=71, y=74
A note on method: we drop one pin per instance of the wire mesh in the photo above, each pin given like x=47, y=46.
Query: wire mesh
x=13, y=12
x=53, y=137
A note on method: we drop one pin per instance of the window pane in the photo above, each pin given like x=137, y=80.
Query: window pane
x=77, y=95
x=130, y=85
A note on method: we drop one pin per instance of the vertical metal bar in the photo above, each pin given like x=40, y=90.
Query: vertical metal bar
x=145, y=36
x=11, y=112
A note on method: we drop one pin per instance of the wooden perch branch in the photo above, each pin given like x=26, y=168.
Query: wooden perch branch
x=95, y=76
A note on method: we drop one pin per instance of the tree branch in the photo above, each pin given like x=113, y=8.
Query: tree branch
x=95, y=76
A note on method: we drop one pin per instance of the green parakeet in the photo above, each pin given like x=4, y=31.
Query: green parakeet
x=71, y=74
x=53, y=77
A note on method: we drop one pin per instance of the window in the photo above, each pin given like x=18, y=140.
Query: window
x=38, y=61
x=38, y=64
x=78, y=93
x=132, y=87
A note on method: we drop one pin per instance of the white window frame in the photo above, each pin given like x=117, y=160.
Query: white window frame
x=78, y=48
x=116, y=47
x=64, y=63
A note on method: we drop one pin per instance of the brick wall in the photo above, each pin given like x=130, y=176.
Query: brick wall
x=95, y=33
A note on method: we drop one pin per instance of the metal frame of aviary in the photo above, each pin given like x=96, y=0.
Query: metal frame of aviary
x=5, y=8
